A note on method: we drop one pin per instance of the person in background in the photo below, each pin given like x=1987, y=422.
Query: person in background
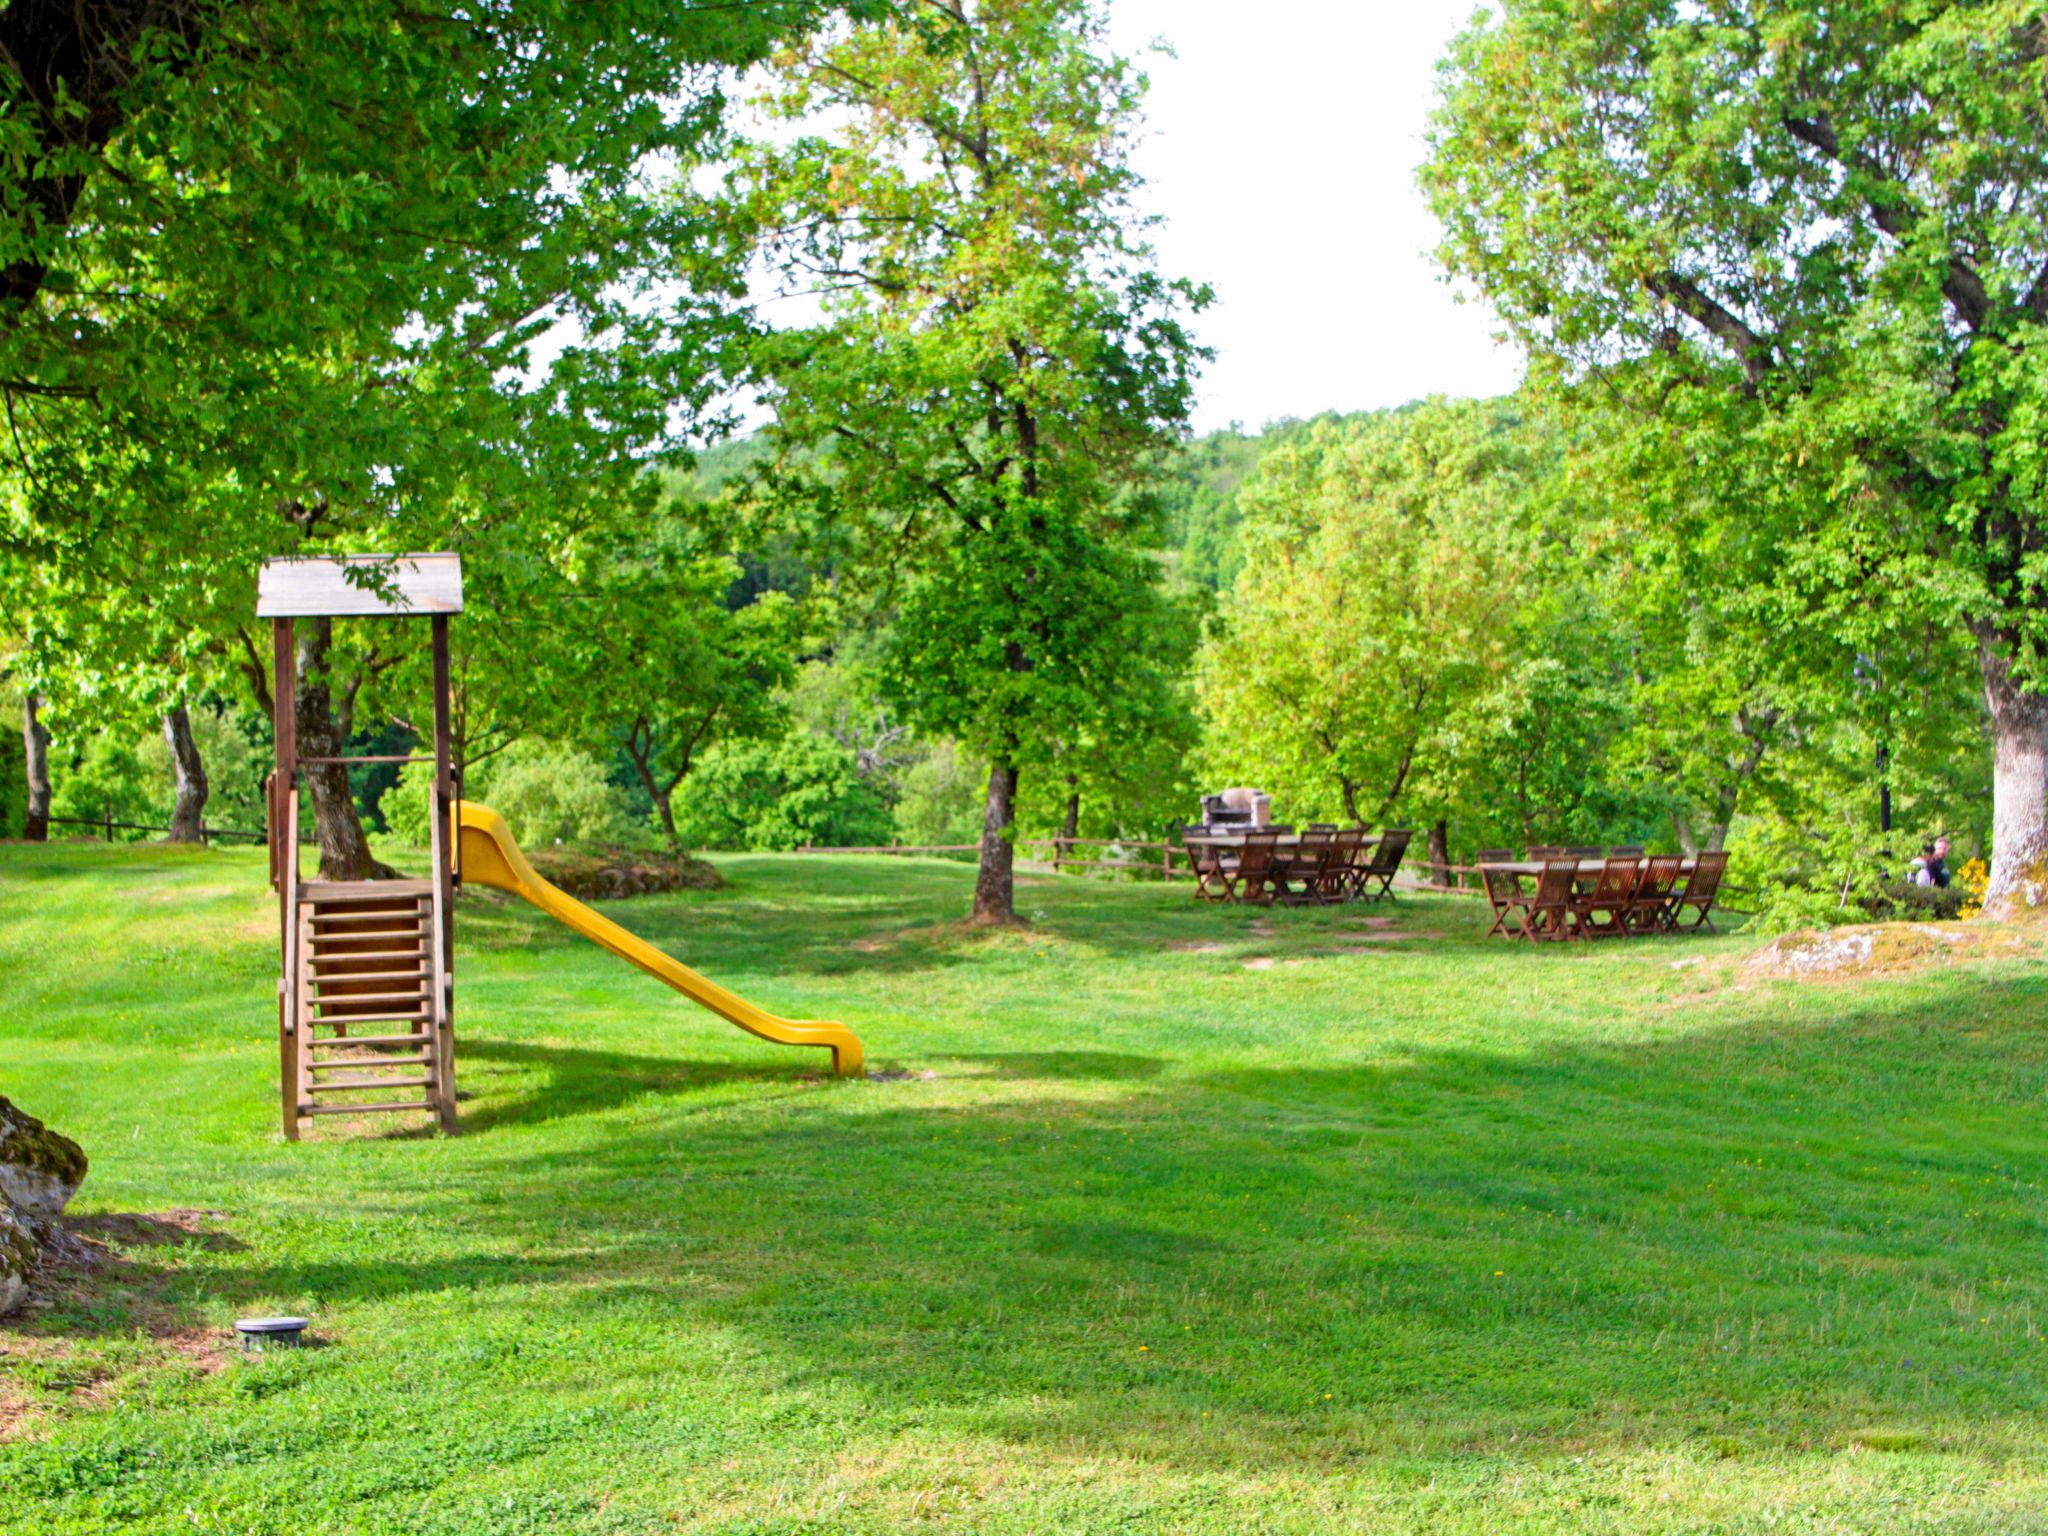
x=1918, y=872
x=1937, y=866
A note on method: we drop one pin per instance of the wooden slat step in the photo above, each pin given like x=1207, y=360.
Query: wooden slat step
x=363, y=890
x=344, y=1084
x=362, y=1109
x=417, y=936
x=320, y=976
x=351, y=999
x=340, y=923
x=370, y=1018
x=343, y=1040
x=343, y=1063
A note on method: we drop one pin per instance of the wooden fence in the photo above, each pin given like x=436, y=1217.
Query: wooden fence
x=107, y=827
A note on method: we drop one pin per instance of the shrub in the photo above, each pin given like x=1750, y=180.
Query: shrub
x=779, y=794
x=548, y=792
x=942, y=799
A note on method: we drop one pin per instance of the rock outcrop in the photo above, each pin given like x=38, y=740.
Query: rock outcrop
x=39, y=1169
x=21, y=1255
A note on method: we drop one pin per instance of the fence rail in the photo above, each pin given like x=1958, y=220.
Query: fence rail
x=107, y=826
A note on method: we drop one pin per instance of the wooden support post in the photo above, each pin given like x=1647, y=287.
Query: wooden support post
x=284, y=690
x=444, y=840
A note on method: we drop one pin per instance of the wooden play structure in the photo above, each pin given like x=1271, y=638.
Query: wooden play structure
x=366, y=994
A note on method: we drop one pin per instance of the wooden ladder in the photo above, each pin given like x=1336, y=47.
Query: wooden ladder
x=371, y=998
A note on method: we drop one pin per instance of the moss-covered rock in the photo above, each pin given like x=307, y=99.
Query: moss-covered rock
x=40, y=1170
x=606, y=874
x=20, y=1257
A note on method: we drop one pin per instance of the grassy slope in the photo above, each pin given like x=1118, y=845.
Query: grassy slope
x=1449, y=1235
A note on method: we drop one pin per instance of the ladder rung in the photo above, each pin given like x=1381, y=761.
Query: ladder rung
x=417, y=935
x=419, y=975
x=361, y=1109
x=321, y=1045
x=323, y=891
x=352, y=998
x=370, y=1018
x=343, y=1084
x=369, y=1061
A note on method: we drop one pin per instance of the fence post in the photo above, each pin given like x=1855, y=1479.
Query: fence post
x=108, y=814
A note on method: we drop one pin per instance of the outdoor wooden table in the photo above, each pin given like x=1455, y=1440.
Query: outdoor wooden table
x=1236, y=840
x=1586, y=869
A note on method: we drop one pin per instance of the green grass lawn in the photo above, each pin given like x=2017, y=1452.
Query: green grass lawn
x=1403, y=1231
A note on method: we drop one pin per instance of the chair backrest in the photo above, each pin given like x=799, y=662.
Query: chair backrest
x=1386, y=857
x=1256, y=857
x=1627, y=850
x=1591, y=851
x=1322, y=826
x=1660, y=874
x=1493, y=856
x=1344, y=846
x=1706, y=876
x=1554, y=885
x=1545, y=851
x=1617, y=880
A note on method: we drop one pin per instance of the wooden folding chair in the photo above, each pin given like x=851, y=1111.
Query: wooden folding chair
x=1253, y=878
x=1207, y=861
x=1650, y=911
x=1337, y=878
x=1550, y=916
x=1612, y=891
x=1699, y=892
x=1305, y=866
x=1504, y=893
x=1626, y=850
x=1541, y=851
x=1384, y=864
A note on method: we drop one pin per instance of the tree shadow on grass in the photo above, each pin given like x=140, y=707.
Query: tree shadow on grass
x=1778, y=1232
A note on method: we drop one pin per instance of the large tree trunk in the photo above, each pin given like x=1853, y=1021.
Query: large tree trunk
x=664, y=810
x=188, y=810
x=994, y=883
x=35, y=740
x=1440, y=852
x=2019, y=783
x=323, y=732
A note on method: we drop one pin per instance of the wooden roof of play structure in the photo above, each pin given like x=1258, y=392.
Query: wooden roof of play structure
x=307, y=587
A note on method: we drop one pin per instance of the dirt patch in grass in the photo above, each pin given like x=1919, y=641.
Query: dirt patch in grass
x=1197, y=947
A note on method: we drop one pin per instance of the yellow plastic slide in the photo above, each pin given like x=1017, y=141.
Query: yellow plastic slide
x=490, y=857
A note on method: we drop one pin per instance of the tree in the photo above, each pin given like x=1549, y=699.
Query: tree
x=274, y=275
x=996, y=356
x=1813, y=233
x=1355, y=666
x=639, y=653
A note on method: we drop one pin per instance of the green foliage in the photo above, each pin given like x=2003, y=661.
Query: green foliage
x=548, y=792
x=1802, y=245
x=1358, y=665
x=105, y=774
x=552, y=792
x=939, y=800
x=779, y=794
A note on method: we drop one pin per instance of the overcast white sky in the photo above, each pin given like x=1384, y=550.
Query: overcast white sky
x=1282, y=145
